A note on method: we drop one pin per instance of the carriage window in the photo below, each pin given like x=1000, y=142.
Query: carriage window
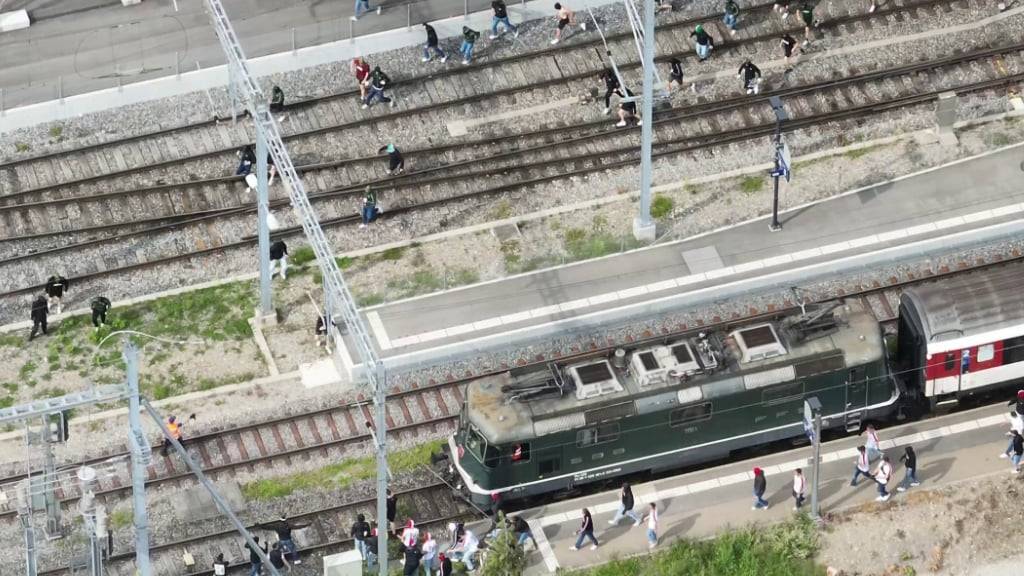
x=687, y=414
x=597, y=435
x=950, y=363
x=550, y=466
x=986, y=352
x=520, y=453
x=478, y=447
x=1013, y=350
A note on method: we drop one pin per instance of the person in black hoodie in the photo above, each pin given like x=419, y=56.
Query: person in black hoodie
x=38, y=314
x=611, y=86
x=412, y=560
x=469, y=37
x=586, y=531
x=379, y=82
x=760, y=485
x=444, y=565
x=360, y=532
x=276, y=557
x=625, y=506
x=501, y=17
x=56, y=286
x=909, y=460
x=255, y=562
x=283, y=528
x=431, y=45
x=392, y=510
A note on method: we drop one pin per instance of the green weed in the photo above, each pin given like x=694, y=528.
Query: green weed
x=752, y=184
x=661, y=206
x=302, y=255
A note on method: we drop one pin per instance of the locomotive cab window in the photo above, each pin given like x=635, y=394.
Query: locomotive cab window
x=478, y=447
x=520, y=453
x=597, y=435
x=688, y=414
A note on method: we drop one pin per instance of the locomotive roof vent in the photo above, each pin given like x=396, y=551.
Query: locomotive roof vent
x=758, y=342
x=594, y=379
x=656, y=365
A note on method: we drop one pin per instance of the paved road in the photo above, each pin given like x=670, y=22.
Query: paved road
x=86, y=44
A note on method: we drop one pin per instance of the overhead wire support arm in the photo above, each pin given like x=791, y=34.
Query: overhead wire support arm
x=337, y=292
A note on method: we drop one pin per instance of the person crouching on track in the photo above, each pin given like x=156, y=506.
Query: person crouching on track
x=627, y=111
x=396, y=163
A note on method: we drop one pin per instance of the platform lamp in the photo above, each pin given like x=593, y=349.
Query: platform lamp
x=782, y=159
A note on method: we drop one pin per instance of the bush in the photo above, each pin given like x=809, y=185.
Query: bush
x=302, y=255
x=505, y=557
x=661, y=206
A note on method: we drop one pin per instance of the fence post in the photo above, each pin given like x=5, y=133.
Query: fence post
x=465, y=9
x=351, y=31
x=177, y=66
x=408, y=16
x=60, y=89
x=293, y=41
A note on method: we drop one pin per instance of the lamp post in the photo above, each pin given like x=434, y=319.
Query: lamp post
x=812, y=426
x=782, y=159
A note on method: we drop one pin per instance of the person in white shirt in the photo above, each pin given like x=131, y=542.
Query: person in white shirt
x=652, y=525
x=882, y=475
x=799, y=488
x=863, y=465
x=410, y=534
x=429, y=553
x=871, y=442
x=465, y=549
x=1016, y=423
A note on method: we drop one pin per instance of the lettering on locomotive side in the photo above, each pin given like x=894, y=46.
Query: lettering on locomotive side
x=757, y=419
x=582, y=476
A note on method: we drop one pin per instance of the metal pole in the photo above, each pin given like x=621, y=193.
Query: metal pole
x=351, y=31
x=262, y=199
x=141, y=453
x=54, y=526
x=293, y=41
x=3, y=111
x=177, y=66
x=775, y=226
x=465, y=9
x=25, y=516
x=379, y=401
x=408, y=16
x=643, y=227
x=198, y=472
x=815, y=512
x=60, y=88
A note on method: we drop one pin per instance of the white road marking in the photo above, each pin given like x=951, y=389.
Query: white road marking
x=378, y=330
x=544, y=546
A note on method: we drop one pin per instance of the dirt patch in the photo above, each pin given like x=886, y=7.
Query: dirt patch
x=953, y=530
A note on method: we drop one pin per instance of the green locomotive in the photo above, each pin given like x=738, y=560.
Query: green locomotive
x=663, y=405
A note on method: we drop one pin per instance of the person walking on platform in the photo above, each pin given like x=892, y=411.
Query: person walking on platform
x=703, y=42
x=807, y=15
x=882, y=476
x=871, y=442
x=565, y=17
x=429, y=550
x=1016, y=424
x=626, y=503
x=627, y=110
x=255, y=562
x=431, y=45
x=523, y=532
x=38, y=314
x=379, y=82
x=760, y=486
x=586, y=530
x=501, y=17
x=247, y=159
x=1018, y=403
x=611, y=86
x=751, y=76
x=732, y=16
x=279, y=259
x=361, y=70
x=862, y=465
x=396, y=163
x=283, y=528
x=56, y=286
x=99, y=305
x=652, y=525
x=1017, y=447
x=789, y=50
x=909, y=461
x=469, y=37
x=799, y=488
x=277, y=100
x=362, y=7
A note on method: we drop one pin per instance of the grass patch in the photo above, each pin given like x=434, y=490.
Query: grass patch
x=27, y=369
x=21, y=147
x=421, y=282
x=11, y=387
x=752, y=184
x=510, y=252
x=464, y=276
x=6, y=402
x=661, y=206
x=782, y=550
x=367, y=300
x=583, y=246
x=56, y=132
x=302, y=256
x=502, y=211
x=120, y=518
x=392, y=254
x=11, y=341
x=861, y=152
x=340, y=475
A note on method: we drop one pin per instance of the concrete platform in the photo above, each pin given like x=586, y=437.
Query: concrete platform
x=971, y=201
x=701, y=504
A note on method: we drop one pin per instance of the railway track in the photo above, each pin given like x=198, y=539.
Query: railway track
x=330, y=433
x=180, y=187
x=518, y=162
x=431, y=505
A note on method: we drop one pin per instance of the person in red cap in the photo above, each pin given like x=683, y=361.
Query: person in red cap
x=1019, y=401
x=760, y=485
x=445, y=565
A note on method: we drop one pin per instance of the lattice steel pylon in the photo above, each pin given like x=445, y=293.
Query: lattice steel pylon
x=338, y=294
